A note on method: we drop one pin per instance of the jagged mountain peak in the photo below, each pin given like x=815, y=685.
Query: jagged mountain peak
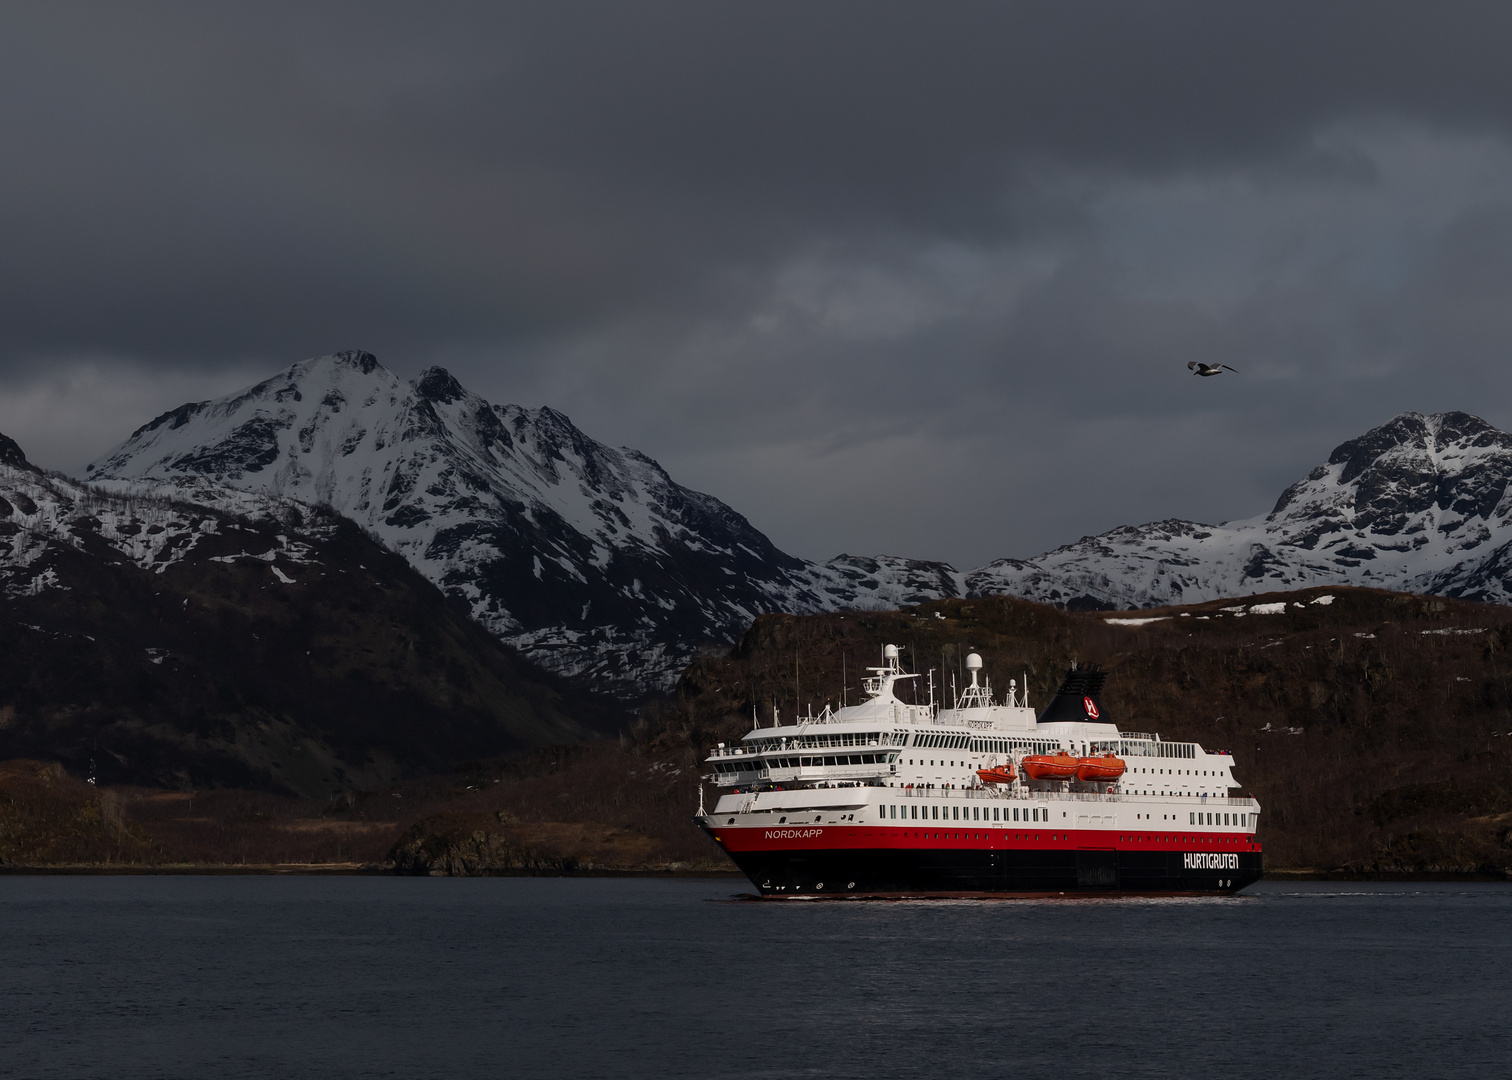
x=439, y=385
x=590, y=559
x=360, y=359
x=226, y=439
x=1418, y=503
x=11, y=454
x=1413, y=436
x=1447, y=465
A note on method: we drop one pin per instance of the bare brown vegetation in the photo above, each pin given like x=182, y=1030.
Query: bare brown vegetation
x=598, y=808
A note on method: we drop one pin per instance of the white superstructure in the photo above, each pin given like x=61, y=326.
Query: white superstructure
x=886, y=762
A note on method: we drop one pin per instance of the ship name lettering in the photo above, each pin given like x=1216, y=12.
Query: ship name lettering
x=791, y=834
x=1210, y=860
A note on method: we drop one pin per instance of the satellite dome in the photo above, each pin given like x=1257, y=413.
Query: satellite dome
x=973, y=662
x=890, y=653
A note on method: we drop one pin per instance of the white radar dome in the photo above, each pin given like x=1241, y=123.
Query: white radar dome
x=890, y=653
x=973, y=662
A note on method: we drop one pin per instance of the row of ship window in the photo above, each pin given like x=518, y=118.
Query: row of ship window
x=932, y=739
x=1176, y=772
x=823, y=742
x=1032, y=813
x=956, y=743
x=751, y=765
x=942, y=742
x=1005, y=746
x=962, y=813
x=1145, y=748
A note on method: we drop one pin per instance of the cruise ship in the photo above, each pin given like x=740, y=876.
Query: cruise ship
x=983, y=798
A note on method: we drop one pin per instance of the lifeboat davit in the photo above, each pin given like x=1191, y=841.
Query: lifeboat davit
x=1059, y=766
x=998, y=774
x=1100, y=768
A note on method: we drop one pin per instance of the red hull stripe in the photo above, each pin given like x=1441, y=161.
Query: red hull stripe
x=840, y=837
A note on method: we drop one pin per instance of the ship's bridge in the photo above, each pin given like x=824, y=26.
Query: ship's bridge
x=808, y=753
x=856, y=743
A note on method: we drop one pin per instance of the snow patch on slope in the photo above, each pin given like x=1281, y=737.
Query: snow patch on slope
x=42, y=514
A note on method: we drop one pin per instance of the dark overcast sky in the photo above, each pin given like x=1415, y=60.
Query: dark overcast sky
x=907, y=278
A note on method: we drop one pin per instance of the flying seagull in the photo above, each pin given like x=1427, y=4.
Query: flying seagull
x=1208, y=369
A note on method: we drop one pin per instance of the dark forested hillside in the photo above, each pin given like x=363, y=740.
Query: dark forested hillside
x=305, y=662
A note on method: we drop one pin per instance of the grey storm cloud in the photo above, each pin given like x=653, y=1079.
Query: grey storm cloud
x=902, y=277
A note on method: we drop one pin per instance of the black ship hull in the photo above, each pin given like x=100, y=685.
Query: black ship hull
x=897, y=872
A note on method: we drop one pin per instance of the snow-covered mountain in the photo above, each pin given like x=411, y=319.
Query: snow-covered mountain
x=590, y=560
x=1418, y=504
x=597, y=565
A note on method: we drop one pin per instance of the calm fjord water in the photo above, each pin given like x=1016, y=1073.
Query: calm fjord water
x=518, y=977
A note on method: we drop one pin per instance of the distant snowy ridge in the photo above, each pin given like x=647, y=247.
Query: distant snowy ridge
x=1418, y=504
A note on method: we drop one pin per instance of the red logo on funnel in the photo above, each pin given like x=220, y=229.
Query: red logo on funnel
x=1090, y=706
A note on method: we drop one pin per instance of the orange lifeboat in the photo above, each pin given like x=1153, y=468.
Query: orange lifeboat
x=1100, y=768
x=1057, y=766
x=999, y=774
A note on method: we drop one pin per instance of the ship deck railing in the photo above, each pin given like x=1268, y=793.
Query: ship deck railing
x=938, y=715
x=903, y=724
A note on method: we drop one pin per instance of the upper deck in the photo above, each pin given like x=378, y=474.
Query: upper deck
x=887, y=742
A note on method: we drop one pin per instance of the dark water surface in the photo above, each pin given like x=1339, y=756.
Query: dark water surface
x=512, y=977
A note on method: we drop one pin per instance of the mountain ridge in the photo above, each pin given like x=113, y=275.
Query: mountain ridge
x=589, y=559
x=1418, y=504
x=595, y=563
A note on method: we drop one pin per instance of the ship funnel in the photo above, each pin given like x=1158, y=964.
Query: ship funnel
x=1078, y=696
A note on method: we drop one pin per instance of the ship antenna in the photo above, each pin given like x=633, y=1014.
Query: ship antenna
x=842, y=678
